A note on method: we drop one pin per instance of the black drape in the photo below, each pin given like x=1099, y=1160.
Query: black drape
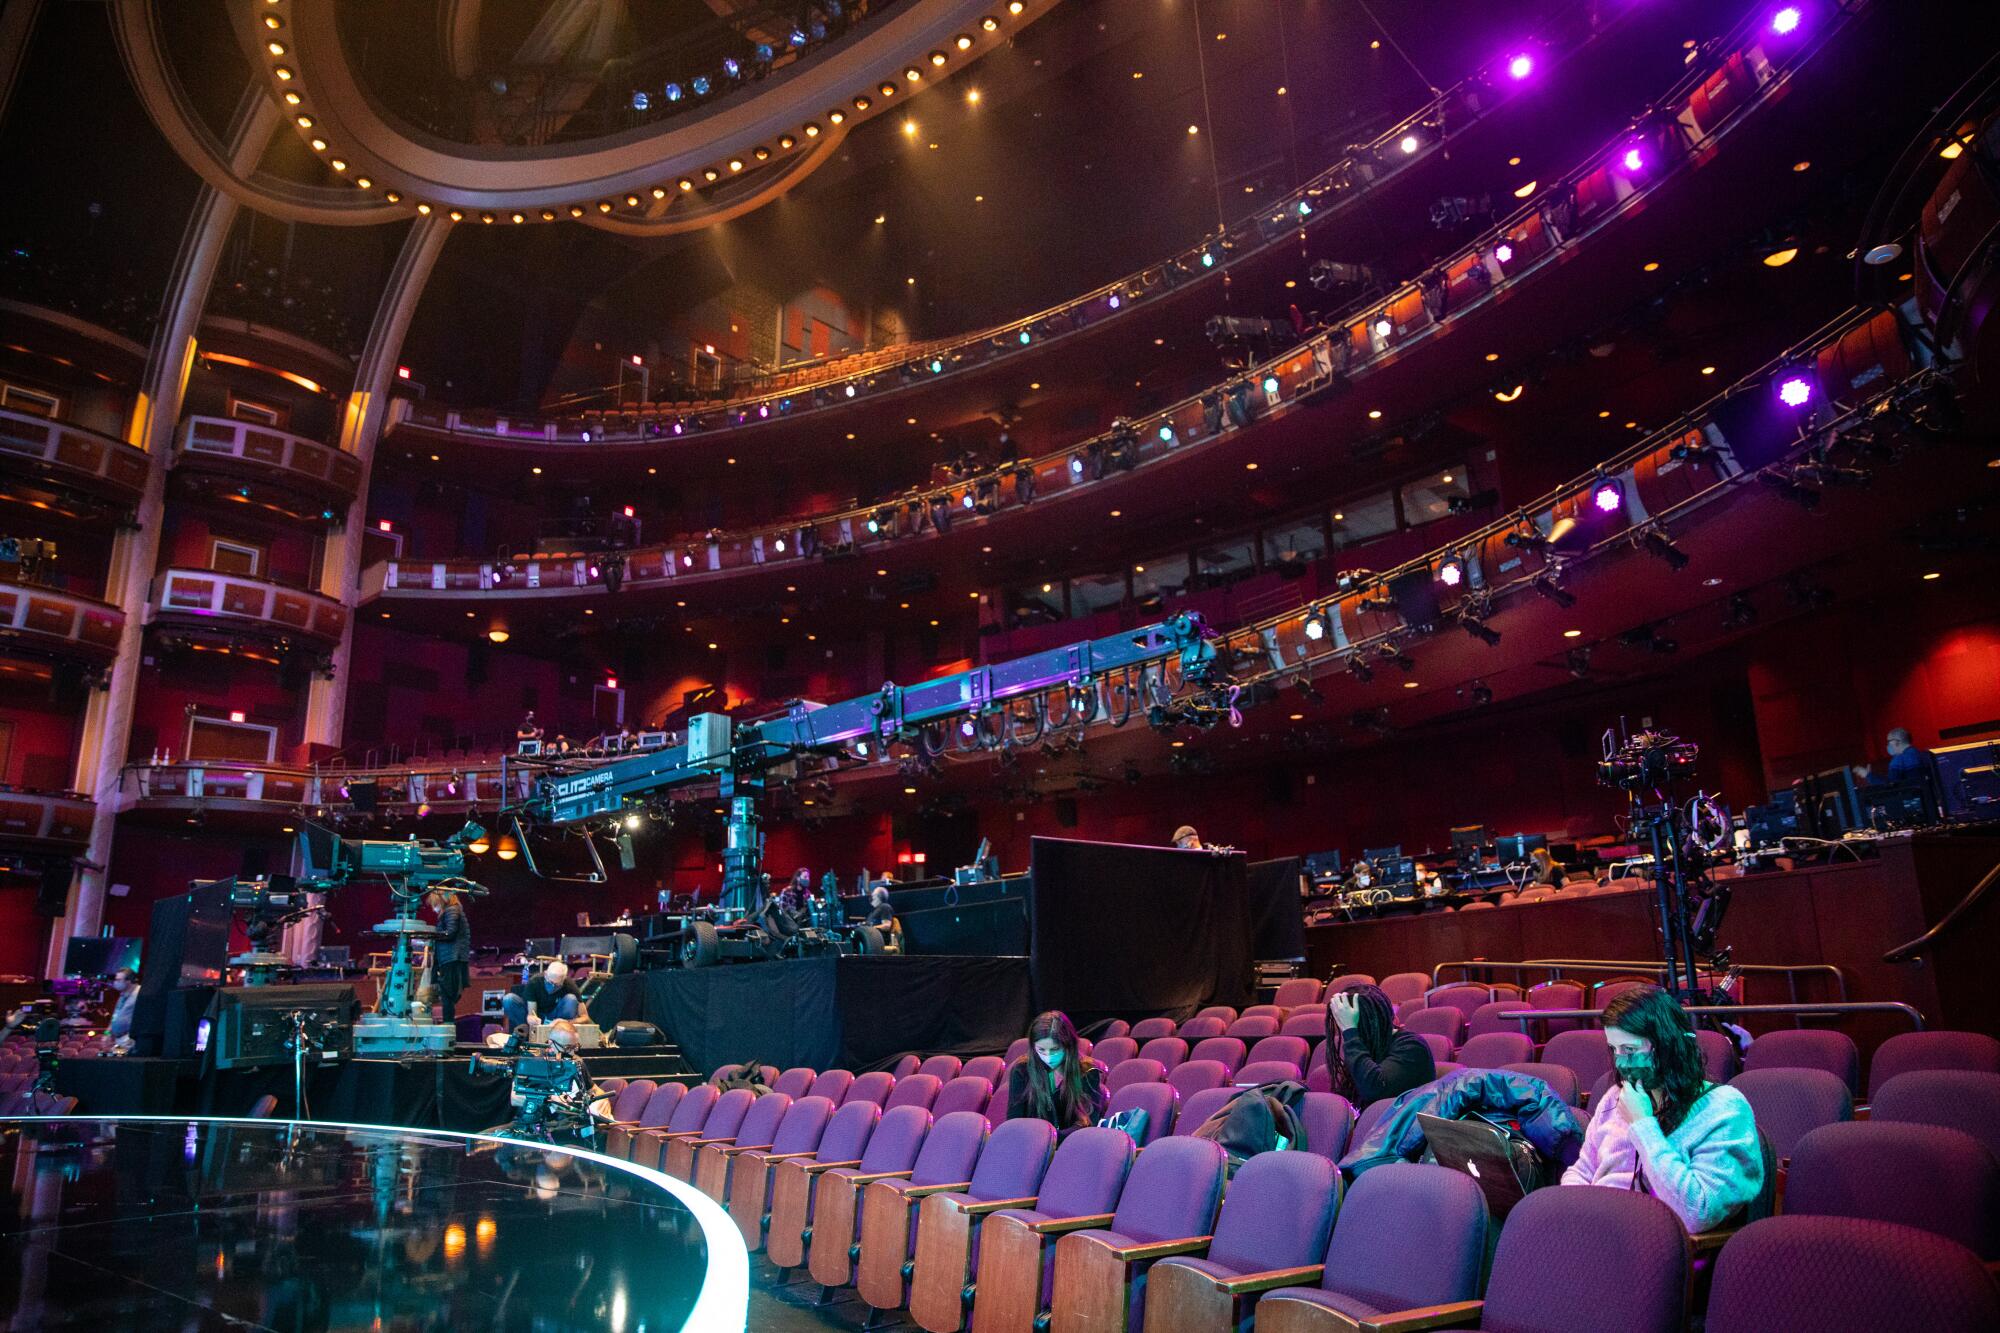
x=1277, y=913
x=1121, y=931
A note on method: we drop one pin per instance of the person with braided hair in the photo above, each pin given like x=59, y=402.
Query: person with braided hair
x=1368, y=1057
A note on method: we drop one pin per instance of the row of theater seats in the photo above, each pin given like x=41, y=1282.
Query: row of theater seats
x=969, y=1223
x=18, y=1069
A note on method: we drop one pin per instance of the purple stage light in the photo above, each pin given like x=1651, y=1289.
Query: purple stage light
x=968, y=728
x=1634, y=160
x=1786, y=21
x=1521, y=66
x=1451, y=573
x=1794, y=390
x=1504, y=253
x=1607, y=497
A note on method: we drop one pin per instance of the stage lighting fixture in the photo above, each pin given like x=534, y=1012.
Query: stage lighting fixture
x=779, y=545
x=507, y=848
x=1794, y=390
x=1521, y=66
x=1359, y=669
x=1658, y=543
x=1526, y=537
x=1376, y=605
x=1786, y=21
x=1634, y=160
x=1608, y=496
x=641, y=101
x=967, y=500
x=1451, y=571
x=480, y=844
x=1552, y=590
x=968, y=728
x=731, y=67
x=1740, y=613
x=1482, y=694
x=862, y=749
x=1578, y=662
x=1409, y=143
x=1791, y=488
x=700, y=85
x=1167, y=435
x=1270, y=384
x=1886, y=253
x=1503, y=253
x=1477, y=628
x=1328, y=274
x=687, y=558
x=1383, y=328
x=1318, y=625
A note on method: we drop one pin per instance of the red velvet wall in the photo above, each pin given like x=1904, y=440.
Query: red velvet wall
x=41, y=752
x=23, y=931
x=217, y=683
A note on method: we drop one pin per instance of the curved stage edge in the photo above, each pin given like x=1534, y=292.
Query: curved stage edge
x=721, y=1303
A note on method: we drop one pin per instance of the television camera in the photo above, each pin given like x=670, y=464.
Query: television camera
x=551, y=1092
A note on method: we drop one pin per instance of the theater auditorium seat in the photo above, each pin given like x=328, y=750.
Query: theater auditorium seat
x=916, y=1090
x=1009, y=1173
x=1907, y=1052
x=1494, y=1049
x=1813, y=1274
x=1196, y=1109
x=1146, y=1029
x=1402, y=987
x=1197, y=1076
x=886, y=1226
x=1295, y=991
x=658, y=1111
x=1134, y=1071
x=750, y=1170
x=1267, y=1071
x=1169, y=1051
x=796, y=1082
x=965, y=1093
x=1157, y=1100
x=1440, y=1047
x=1293, y=1050
x=850, y=1132
x=648, y=1147
x=720, y=1127
x=874, y=1087
x=1168, y=1206
x=1348, y=981
x=1277, y=1214
x=1489, y=1017
x=1584, y=1050
x=1560, y=1078
x=1445, y=1021
x=1465, y=997
x=1008, y=1256
x=1915, y=1175
x=1253, y=1027
x=1201, y=1028
x=894, y=1153
x=1408, y=1236
x=832, y=1084
x=989, y=1067
x=1959, y=1099
x=1114, y=1051
x=1225, y=1051
x=943, y=1068
x=1807, y=1048
x=709, y=1170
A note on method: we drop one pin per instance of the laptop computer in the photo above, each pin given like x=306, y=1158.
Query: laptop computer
x=1479, y=1150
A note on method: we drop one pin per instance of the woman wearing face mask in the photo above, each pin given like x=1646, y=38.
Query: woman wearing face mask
x=1054, y=1081
x=1664, y=1128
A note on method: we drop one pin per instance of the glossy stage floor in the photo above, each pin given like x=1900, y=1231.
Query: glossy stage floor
x=181, y=1223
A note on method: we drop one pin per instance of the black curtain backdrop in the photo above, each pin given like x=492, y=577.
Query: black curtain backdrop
x=1277, y=913
x=418, y=1093
x=1123, y=931
x=849, y=1012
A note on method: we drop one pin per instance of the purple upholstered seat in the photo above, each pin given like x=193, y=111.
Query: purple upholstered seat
x=1375, y=1261
x=1278, y=1213
x=1266, y=1071
x=1443, y=1020
x=725, y=1121
x=1720, y=1059
x=795, y=1082
x=632, y=1099
x=1402, y=987
x=1016, y=1049
x=661, y=1105
x=874, y=1087
x=950, y=1153
x=1791, y=1103
x=1116, y=1027
x=1624, y=1264
x=1012, y=1163
x=1133, y=1071
x=1310, y=1026
x=1083, y=1180
x=1225, y=1051
x=916, y=1090
x=1200, y=1028
x=804, y=1125
x=1253, y=1027
x=1813, y=1274
x=1910, y=1051
x=759, y=1125
x=1146, y=1029
x=1492, y=1049
x=1365, y=1118
x=1327, y=1119
x=943, y=1068
x=1560, y=1078
x=964, y=1093
x=1319, y=1078
x=1196, y=1076
x=1114, y=1051
x=694, y=1108
x=1555, y=995
x=1227, y=1013
x=850, y=1130
x=1171, y=1192
x=1490, y=1017
x=1404, y=1008
x=1157, y=1100
x=1960, y=1099
x=1199, y=1106
x=905, y=1065
x=891, y=1142
x=1807, y=1048
x=989, y=1067
x=1441, y=1047
x=832, y=1084
x=1293, y=1050
x=1914, y=1175
x=1169, y=1051
x=1465, y=997
x=1584, y=1050
x=1276, y=1011
x=1348, y=981
x=1604, y=992
x=1295, y=991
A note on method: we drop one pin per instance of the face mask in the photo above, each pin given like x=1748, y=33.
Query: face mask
x=1051, y=1058
x=1638, y=1069
x=120, y=984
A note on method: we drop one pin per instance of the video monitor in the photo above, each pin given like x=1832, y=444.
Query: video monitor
x=1322, y=865
x=100, y=955
x=1514, y=847
x=1468, y=844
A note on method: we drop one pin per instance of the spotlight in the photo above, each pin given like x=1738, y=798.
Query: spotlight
x=968, y=728
x=674, y=92
x=1359, y=669
x=1527, y=537
x=1503, y=253
x=1451, y=572
x=1076, y=465
x=1607, y=497
x=1316, y=626
x=1658, y=543
x=507, y=848
x=1634, y=160
x=1552, y=590
x=1482, y=694
x=1521, y=66
x=1786, y=21
x=1409, y=143
x=1794, y=390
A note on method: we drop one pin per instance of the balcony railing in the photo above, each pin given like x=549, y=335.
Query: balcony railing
x=397, y=790
x=223, y=602
x=254, y=451
x=84, y=460
x=59, y=624
x=40, y=816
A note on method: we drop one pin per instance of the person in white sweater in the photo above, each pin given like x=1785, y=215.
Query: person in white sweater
x=1664, y=1128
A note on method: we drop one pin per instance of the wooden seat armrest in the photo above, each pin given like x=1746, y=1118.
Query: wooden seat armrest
x=981, y=1207
x=786, y=1156
x=874, y=1176
x=1158, y=1249
x=1708, y=1242
x=736, y=1148
x=711, y=1143
x=814, y=1168
x=922, y=1190
x=671, y=1133
x=1452, y=1314
x=1056, y=1226
x=1250, y=1283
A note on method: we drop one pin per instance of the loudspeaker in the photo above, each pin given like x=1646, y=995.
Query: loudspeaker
x=52, y=892
x=1066, y=811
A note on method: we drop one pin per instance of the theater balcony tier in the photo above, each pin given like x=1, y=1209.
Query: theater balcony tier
x=45, y=819
x=56, y=467
x=250, y=788
x=236, y=608
x=247, y=463
x=47, y=623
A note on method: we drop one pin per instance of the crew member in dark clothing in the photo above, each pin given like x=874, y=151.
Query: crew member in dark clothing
x=1908, y=762
x=1055, y=1081
x=1369, y=1057
x=550, y=993
x=451, y=950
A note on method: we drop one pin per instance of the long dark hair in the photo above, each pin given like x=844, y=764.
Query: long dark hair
x=1055, y=1094
x=1679, y=1079
x=1374, y=1029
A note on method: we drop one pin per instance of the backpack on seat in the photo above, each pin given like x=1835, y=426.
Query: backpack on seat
x=1261, y=1119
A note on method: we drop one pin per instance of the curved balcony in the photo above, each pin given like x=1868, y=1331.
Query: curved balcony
x=404, y=792
x=254, y=464
x=230, y=606
x=1508, y=272
x=54, y=465
x=49, y=623
x=41, y=818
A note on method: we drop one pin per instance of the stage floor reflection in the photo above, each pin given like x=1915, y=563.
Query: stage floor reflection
x=189, y=1224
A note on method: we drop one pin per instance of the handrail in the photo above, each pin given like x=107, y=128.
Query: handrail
x=1555, y=967
x=1745, y=1011
x=1902, y=953
x=1202, y=417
